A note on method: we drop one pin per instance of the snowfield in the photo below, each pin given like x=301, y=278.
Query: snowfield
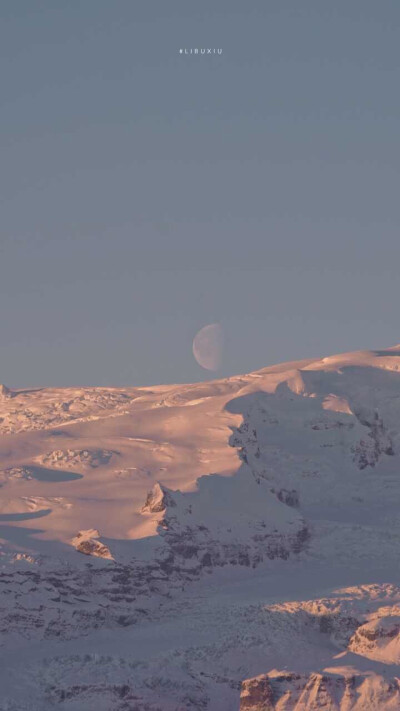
x=217, y=546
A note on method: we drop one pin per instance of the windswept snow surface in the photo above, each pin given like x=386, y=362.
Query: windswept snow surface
x=222, y=545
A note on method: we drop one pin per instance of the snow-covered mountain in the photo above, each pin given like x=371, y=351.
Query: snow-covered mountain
x=222, y=545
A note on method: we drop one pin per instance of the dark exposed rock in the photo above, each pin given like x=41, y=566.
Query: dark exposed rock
x=87, y=542
x=367, y=452
x=256, y=694
x=290, y=498
x=158, y=499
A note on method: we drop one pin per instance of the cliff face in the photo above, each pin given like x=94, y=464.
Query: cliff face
x=283, y=691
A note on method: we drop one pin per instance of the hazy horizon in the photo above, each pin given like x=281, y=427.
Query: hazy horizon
x=146, y=193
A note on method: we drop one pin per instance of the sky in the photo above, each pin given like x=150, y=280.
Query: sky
x=145, y=193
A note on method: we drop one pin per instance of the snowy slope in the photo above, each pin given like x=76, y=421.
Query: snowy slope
x=160, y=546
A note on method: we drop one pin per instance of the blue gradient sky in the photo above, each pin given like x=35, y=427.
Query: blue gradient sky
x=144, y=194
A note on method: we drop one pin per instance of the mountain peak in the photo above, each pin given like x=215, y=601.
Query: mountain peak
x=5, y=391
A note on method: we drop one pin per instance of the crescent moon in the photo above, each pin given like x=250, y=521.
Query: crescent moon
x=208, y=345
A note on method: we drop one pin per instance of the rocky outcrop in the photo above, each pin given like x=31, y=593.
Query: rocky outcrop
x=158, y=499
x=379, y=638
x=367, y=452
x=346, y=691
x=256, y=694
x=290, y=498
x=71, y=458
x=15, y=473
x=87, y=542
